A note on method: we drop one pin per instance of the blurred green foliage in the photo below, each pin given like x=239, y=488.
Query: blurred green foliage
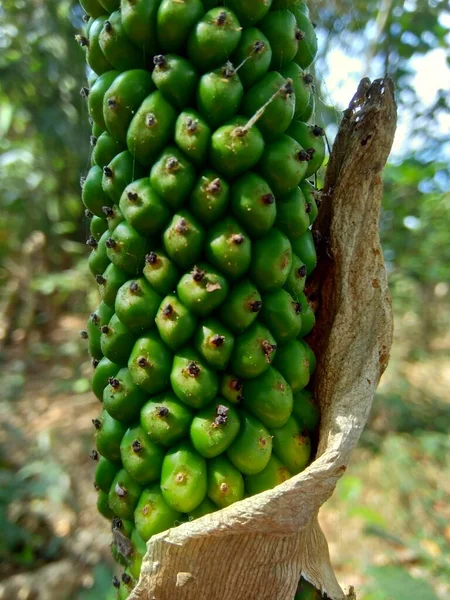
x=44, y=148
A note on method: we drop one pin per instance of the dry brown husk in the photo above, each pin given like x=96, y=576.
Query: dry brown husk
x=257, y=549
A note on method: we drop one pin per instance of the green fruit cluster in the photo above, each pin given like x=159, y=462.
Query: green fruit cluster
x=200, y=210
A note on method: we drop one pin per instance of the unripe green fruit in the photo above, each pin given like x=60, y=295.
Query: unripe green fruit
x=175, y=323
x=254, y=351
x=215, y=343
x=242, y=306
x=150, y=363
x=175, y=20
x=105, y=149
x=308, y=316
x=209, y=198
x=292, y=445
x=295, y=283
x=160, y=272
x=108, y=435
x=113, y=215
x=311, y=356
x=292, y=361
x=110, y=5
x=292, y=216
x=96, y=95
x=103, y=505
x=143, y=208
x=282, y=315
x=281, y=29
x=151, y=128
x=283, y=165
x=98, y=259
x=93, y=8
x=122, y=398
x=269, y=398
x=306, y=411
x=152, y=514
x=116, y=46
x=307, y=44
x=175, y=78
x=219, y=94
x=117, y=341
x=214, y=428
x=138, y=553
x=249, y=11
x=205, y=508
x=312, y=138
x=193, y=136
x=183, y=239
x=253, y=203
x=306, y=591
x=139, y=23
x=213, y=39
x=141, y=457
x=105, y=473
x=165, y=419
x=272, y=475
x=251, y=450
x=94, y=54
x=126, y=248
x=225, y=482
x=97, y=227
x=309, y=111
x=103, y=371
x=121, y=171
x=127, y=584
x=231, y=388
x=305, y=249
x=192, y=380
x=229, y=248
x=272, y=260
x=97, y=320
x=137, y=304
x=93, y=195
x=309, y=192
x=183, y=479
x=252, y=57
x=302, y=84
x=110, y=282
x=124, y=495
x=172, y=177
x=202, y=290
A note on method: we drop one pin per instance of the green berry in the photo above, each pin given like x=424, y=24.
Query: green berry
x=122, y=398
x=215, y=343
x=295, y=283
x=152, y=514
x=249, y=11
x=141, y=457
x=113, y=215
x=184, y=239
x=312, y=138
x=282, y=315
x=150, y=363
x=292, y=361
x=116, y=341
x=202, y=290
x=173, y=177
x=93, y=8
x=108, y=435
x=307, y=43
x=98, y=259
x=305, y=249
x=272, y=475
x=241, y=307
x=103, y=505
x=110, y=283
x=310, y=194
x=165, y=419
x=214, y=428
x=269, y=398
x=175, y=78
x=306, y=410
x=280, y=28
x=205, y=508
x=175, y=20
x=252, y=57
x=139, y=23
x=231, y=388
x=94, y=54
x=303, y=86
x=124, y=495
x=97, y=94
x=253, y=203
x=116, y=46
x=97, y=320
x=126, y=248
x=228, y=248
x=225, y=482
x=137, y=304
x=176, y=324
x=120, y=172
x=97, y=227
x=284, y=164
x=292, y=445
x=105, y=473
x=219, y=94
x=105, y=149
x=209, y=198
x=292, y=216
x=254, y=351
x=251, y=450
x=193, y=136
x=192, y=380
x=139, y=548
x=103, y=371
x=272, y=260
x=94, y=198
x=160, y=272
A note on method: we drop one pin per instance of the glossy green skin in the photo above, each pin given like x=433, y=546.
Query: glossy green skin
x=123, y=505
x=193, y=136
x=233, y=154
x=94, y=54
x=219, y=95
x=98, y=259
x=210, y=43
x=302, y=88
x=173, y=177
x=282, y=315
x=253, y=203
x=176, y=324
x=256, y=63
x=153, y=515
x=305, y=249
x=231, y=388
x=128, y=250
x=109, y=436
x=92, y=8
x=211, y=438
x=249, y=11
x=292, y=218
x=94, y=198
x=241, y=307
x=292, y=362
x=113, y=279
x=176, y=79
x=306, y=411
x=272, y=260
x=295, y=283
x=280, y=27
x=117, y=342
x=166, y=427
x=292, y=445
x=126, y=587
x=184, y=239
x=307, y=137
x=137, y=304
x=105, y=149
x=161, y=273
x=307, y=47
x=205, y=508
x=254, y=352
x=279, y=112
x=309, y=111
x=114, y=217
x=228, y=248
x=139, y=550
x=269, y=398
x=153, y=376
x=116, y=46
x=110, y=5
x=183, y=478
x=203, y=297
x=102, y=373
x=209, y=198
x=311, y=356
x=225, y=482
x=309, y=192
x=96, y=96
x=105, y=473
x=272, y=475
x=124, y=400
x=216, y=354
x=98, y=318
x=123, y=99
x=121, y=171
x=175, y=20
x=139, y=23
x=196, y=389
x=143, y=461
x=151, y=128
x=96, y=130
x=103, y=505
x=251, y=450
x=282, y=166
x=98, y=227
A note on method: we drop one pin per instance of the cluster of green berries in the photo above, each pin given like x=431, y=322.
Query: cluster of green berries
x=200, y=210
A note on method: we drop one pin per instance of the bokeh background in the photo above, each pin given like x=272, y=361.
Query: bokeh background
x=389, y=522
